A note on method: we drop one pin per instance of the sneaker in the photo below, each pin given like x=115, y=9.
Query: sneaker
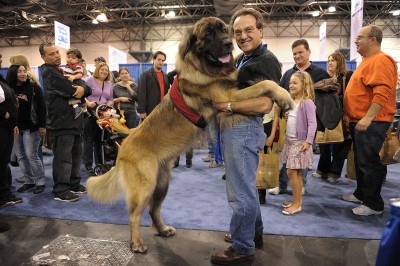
x=332, y=179
x=89, y=169
x=66, y=196
x=39, y=189
x=215, y=165
x=350, y=198
x=78, y=111
x=79, y=189
x=11, y=200
x=208, y=158
x=25, y=187
x=223, y=177
x=274, y=191
x=21, y=179
x=365, y=211
x=316, y=174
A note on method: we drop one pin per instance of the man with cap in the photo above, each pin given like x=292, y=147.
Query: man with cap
x=98, y=60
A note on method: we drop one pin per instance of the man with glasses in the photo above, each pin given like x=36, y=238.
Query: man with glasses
x=370, y=104
x=242, y=142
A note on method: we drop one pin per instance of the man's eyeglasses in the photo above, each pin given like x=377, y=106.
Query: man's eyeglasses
x=358, y=38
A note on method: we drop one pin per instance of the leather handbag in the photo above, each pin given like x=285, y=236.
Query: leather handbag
x=330, y=136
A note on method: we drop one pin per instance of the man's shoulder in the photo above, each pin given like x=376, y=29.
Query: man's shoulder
x=317, y=73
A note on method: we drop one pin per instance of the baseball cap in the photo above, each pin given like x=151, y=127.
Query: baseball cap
x=100, y=58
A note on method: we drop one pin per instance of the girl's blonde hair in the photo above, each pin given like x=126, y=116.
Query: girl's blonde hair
x=22, y=60
x=308, y=88
x=96, y=71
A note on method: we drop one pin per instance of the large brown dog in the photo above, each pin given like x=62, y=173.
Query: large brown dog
x=145, y=159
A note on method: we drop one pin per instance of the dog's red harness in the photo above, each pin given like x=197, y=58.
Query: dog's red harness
x=177, y=99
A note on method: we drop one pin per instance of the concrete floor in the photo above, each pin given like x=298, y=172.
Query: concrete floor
x=29, y=235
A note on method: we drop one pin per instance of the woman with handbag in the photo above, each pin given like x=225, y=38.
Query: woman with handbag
x=102, y=93
x=125, y=97
x=32, y=126
x=333, y=155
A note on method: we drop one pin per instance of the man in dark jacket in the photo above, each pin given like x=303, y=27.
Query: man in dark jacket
x=66, y=131
x=8, y=122
x=153, y=85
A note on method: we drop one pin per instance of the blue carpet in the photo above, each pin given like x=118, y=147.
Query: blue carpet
x=197, y=200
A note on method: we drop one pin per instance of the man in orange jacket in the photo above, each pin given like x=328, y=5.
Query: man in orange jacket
x=370, y=103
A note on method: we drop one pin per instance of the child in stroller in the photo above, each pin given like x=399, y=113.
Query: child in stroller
x=114, y=131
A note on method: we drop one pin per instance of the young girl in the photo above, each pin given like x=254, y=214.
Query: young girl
x=300, y=131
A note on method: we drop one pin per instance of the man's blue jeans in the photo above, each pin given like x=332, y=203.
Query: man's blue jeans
x=241, y=144
x=369, y=169
x=26, y=147
x=212, y=137
x=67, y=151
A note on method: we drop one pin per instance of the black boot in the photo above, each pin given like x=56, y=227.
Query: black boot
x=261, y=195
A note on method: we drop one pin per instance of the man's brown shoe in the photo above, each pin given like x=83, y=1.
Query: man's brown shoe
x=258, y=241
x=229, y=257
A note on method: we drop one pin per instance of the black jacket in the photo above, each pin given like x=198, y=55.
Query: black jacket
x=57, y=91
x=262, y=65
x=149, y=91
x=25, y=95
x=9, y=105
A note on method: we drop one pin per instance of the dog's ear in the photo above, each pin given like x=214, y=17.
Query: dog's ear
x=187, y=43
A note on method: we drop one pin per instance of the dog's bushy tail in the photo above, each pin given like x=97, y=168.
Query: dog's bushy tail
x=104, y=188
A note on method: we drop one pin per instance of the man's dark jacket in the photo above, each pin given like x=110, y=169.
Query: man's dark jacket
x=57, y=91
x=149, y=91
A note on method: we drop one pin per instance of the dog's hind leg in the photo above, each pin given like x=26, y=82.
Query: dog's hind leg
x=138, y=196
x=159, y=194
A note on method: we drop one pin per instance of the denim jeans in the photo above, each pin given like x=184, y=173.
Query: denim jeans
x=284, y=179
x=369, y=169
x=67, y=151
x=26, y=147
x=241, y=144
x=212, y=137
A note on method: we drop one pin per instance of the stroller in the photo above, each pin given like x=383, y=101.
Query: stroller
x=113, y=132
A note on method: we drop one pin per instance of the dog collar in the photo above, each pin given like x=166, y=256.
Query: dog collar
x=177, y=99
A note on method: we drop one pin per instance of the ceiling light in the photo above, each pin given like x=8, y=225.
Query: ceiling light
x=396, y=12
x=95, y=21
x=315, y=13
x=171, y=14
x=102, y=18
x=331, y=9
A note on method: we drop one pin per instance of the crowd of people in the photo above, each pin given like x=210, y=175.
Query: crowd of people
x=65, y=106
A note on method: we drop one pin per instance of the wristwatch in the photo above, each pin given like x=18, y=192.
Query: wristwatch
x=229, y=108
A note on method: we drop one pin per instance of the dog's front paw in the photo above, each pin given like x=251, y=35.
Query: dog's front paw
x=138, y=247
x=168, y=231
x=283, y=100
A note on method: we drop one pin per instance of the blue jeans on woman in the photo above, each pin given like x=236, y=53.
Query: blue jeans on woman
x=241, y=144
x=26, y=147
x=369, y=169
